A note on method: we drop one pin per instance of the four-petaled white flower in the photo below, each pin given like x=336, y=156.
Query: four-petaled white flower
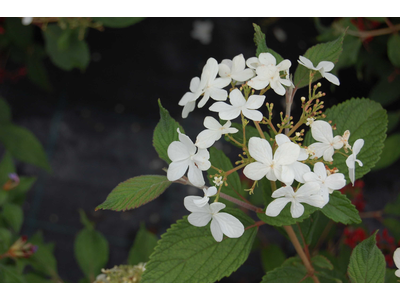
x=201, y=201
x=183, y=155
x=218, y=180
x=221, y=223
x=268, y=73
x=322, y=132
x=396, y=259
x=235, y=69
x=310, y=121
x=323, y=67
x=307, y=193
x=272, y=165
x=239, y=104
x=298, y=168
x=352, y=159
x=327, y=184
x=213, y=133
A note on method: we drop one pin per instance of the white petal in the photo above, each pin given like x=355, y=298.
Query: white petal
x=397, y=273
x=319, y=148
x=218, y=94
x=195, y=175
x=199, y=219
x=267, y=59
x=229, y=225
x=258, y=83
x=306, y=62
x=187, y=142
x=328, y=153
x=204, y=100
x=252, y=62
x=254, y=115
x=224, y=70
x=216, y=230
x=188, y=202
x=396, y=258
x=177, y=151
x=284, y=65
x=177, y=169
x=219, y=84
x=278, y=87
x=276, y=206
x=256, y=170
x=260, y=150
x=237, y=98
x=211, y=123
x=211, y=191
x=188, y=108
x=207, y=138
x=307, y=189
x=299, y=169
x=357, y=146
x=202, y=159
x=283, y=191
x=311, y=177
x=296, y=209
x=243, y=75
x=200, y=202
x=352, y=174
x=332, y=78
x=303, y=154
x=320, y=170
x=281, y=139
x=322, y=131
x=188, y=97
x=335, y=181
x=350, y=161
x=315, y=200
x=255, y=102
x=216, y=207
x=326, y=65
x=284, y=174
x=287, y=153
x=194, y=84
x=238, y=63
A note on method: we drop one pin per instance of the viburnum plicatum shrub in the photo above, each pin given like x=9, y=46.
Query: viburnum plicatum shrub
x=296, y=166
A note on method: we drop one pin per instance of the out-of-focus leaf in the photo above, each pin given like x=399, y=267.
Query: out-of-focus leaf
x=117, y=22
x=393, y=49
x=143, y=246
x=390, y=153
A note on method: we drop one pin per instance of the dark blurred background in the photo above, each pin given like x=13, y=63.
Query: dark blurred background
x=96, y=125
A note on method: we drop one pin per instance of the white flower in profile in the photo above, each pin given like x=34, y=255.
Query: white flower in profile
x=275, y=166
x=235, y=69
x=183, y=155
x=201, y=201
x=221, y=223
x=322, y=132
x=396, y=259
x=268, y=73
x=352, y=159
x=327, y=183
x=307, y=193
x=345, y=139
x=323, y=67
x=188, y=101
x=239, y=104
x=213, y=133
x=212, y=86
x=298, y=168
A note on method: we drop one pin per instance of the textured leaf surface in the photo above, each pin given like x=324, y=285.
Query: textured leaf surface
x=165, y=133
x=366, y=120
x=321, y=52
x=367, y=263
x=187, y=253
x=23, y=145
x=291, y=271
x=135, y=192
x=340, y=209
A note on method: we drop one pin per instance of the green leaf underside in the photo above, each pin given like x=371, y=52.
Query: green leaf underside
x=165, y=133
x=135, y=192
x=259, y=40
x=187, y=253
x=340, y=209
x=219, y=160
x=23, y=145
x=367, y=263
x=329, y=51
x=366, y=120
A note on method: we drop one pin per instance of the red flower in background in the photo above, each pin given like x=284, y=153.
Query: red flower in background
x=387, y=244
x=354, y=236
x=355, y=194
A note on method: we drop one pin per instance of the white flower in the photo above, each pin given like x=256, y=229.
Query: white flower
x=268, y=73
x=188, y=101
x=235, y=69
x=327, y=183
x=322, y=132
x=201, y=201
x=239, y=104
x=214, y=131
x=218, y=180
x=183, y=155
x=396, y=259
x=345, y=139
x=26, y=21
x=273, y=166
x=298, y=168
x=307, y=193
x=323, y=67
x=221, y=223
x=202, y=31
x=212, y=86
x=310, y=121
x=352, y=159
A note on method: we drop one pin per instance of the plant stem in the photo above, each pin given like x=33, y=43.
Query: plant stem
x=241, y=203
x=376, y=32
x=300, y=252
x=259, y=129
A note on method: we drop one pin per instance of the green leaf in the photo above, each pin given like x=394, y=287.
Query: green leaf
x=37, y=73
x=322, y=262
x=10, y=274
x=390, y=277
x=135, y=192
x=186, y=253
x=73, y=55
x=20, y=35
x=23, y=145
x=117, y=22
x=367, y=263
x=18, y=194
x=143, y=246
x=386, y=92
x=366, y=120
x=250, y=132
x=165, y=133
x=340, y=209
x=285, y=217
x=393, y=47
x=321, y=52
x=259, y=40
x=393, y=225
x=91, y=252
x=5, y=240
x=393, y=208
x=84, y=219
x=219, y=160
x=292, y=271
x=13, y=215
x=394, y=119
x=390, y=153
x=5, y=112
x=6, y=167
x=272, y=257
x=351, y=49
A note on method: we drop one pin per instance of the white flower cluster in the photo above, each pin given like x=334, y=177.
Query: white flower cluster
x=283, y=160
